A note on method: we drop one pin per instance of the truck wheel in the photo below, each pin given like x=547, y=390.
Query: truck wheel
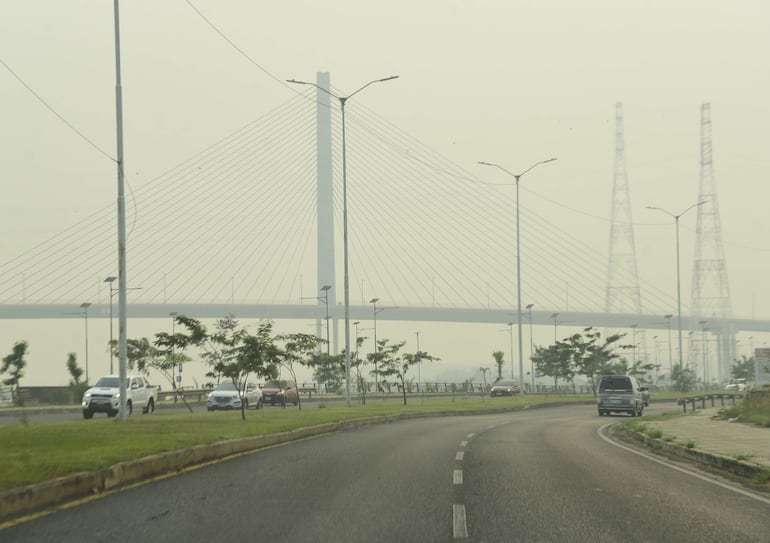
x=259, y=404
x=129, y=407
x=111, y=413
x=88, y=414
x=150, y=407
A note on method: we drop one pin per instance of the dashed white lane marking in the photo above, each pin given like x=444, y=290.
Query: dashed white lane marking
x=457, y=477
x=459, y=528
x=470, y=436
x=459, y=455
x=463, y=444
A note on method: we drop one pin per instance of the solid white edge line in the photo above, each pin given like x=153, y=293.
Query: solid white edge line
x=459, y=528
x=681, y=470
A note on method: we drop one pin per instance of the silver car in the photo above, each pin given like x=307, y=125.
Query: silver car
x=228, y=396
x=621, y=394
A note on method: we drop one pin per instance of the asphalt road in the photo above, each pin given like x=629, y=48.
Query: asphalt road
x=536, y=475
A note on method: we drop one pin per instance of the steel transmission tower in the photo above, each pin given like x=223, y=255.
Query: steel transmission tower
x=623, y=294
x=710, y=289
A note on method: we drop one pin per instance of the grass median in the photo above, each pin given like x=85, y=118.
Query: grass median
x=42, y=451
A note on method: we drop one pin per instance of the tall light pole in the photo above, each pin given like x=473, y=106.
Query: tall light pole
x=419, y=363
x=518, y=260
x=109, y=280
x=85, y=306
x=122, y=319
x=705, y=356
x=531, y=362
x=678, y=282
x=343, y=100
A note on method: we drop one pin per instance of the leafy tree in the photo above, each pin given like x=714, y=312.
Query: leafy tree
x=554, y=361
x=591, y=356
x=255, y=354
x=683, y=378
x=14, y=364
x=356, y=367
x=498, y=356
x=76, y=372
x=391, y=365
x=484, y=372
x=299, y=349
x=329, y=370
x=743, y=369
x=158, y=356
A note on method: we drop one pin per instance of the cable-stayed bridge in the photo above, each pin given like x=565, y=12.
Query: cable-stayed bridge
x=235, y=229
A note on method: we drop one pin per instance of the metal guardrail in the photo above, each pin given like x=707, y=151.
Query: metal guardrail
x=712, y=397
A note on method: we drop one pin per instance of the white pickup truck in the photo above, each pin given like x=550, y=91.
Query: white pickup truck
x=104, y=396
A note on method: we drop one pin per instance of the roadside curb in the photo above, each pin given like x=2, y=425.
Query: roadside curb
x=742, y=468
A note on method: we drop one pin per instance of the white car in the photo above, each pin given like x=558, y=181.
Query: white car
x=104, y=396
x=227, y=396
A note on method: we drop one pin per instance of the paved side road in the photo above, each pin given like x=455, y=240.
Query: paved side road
x=732, y=446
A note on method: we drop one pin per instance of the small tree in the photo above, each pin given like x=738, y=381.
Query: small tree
x=498, y=356
x=554, y=361
x=329, y=370
x=590, y=355
x=683, y=378
x=76, y=372
x=14, y=364
x=743, y=369
x=298, y=349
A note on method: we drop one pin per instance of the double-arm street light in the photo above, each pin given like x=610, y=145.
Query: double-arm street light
x=678, y=282
x=343, y=100
x=518, y=258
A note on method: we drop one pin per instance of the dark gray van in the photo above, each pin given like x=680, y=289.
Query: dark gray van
x=620, y=394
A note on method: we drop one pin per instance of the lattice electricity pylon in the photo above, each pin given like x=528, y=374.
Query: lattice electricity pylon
x=623, y=294
x=710, y=288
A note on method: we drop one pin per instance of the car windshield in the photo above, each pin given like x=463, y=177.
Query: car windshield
x=108, y=382
x=275, y=384
x=505, y=383
x=226, y=386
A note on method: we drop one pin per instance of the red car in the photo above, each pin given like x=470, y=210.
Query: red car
x=505, y=387
x=280, y=392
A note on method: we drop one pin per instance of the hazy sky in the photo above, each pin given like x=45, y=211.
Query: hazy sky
x=507, y=81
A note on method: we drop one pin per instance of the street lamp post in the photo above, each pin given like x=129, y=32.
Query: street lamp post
x=85, y=306
x=374, y=301
x=513, y=376
x=678, y=282
x=705, y=356
x=376, y=310
x=518, y=260
x=114, y=291
x=110, y=280
x=553, y=316
x=343, y=100
x=325, y=300
x=670, y=347
x=531, y=362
